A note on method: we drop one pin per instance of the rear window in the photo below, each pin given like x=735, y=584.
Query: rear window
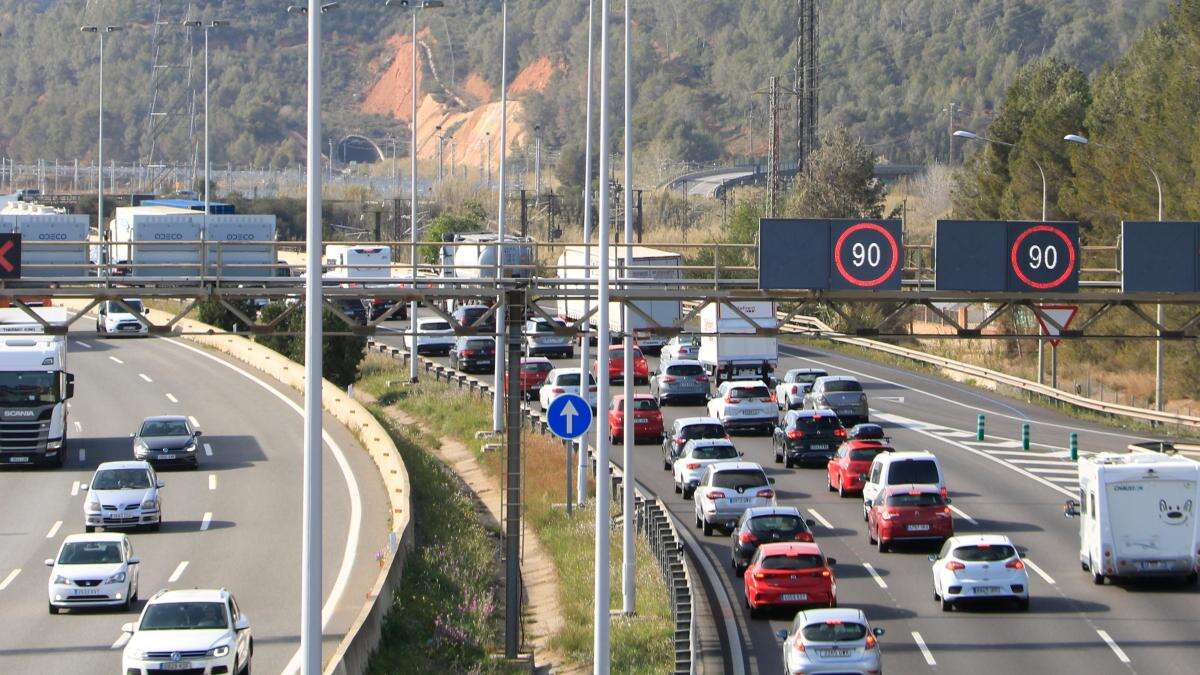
x=644, y=404
x=572, y=379
x=703, y=431
x=792, y=562
x=779, y=523
x=714, y=452
x=740, y=478
x=479, y=344
x=738, y=393
x=805, y=378
x=866, y=454
x=922, y=499
x=842, y=385
x=433, y=325
x=822, y=423
x=537, y=367
x=545, y=326
x=834, y=632
x=918, y=471
x=867, y=432
x=685, y=369
x=984, y=553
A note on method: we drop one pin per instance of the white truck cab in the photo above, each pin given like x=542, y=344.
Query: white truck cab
x=1138, y=516
x=34, y=388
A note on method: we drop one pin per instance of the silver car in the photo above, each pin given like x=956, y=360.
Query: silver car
x=796, y=383
x=681, y=347
x=541, y=340
x=841, y=394
x=726, y=489
x=831, y=641
x=678, y=381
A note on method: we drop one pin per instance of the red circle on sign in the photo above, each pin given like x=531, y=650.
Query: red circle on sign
x=837, y=254
x=1070, y=257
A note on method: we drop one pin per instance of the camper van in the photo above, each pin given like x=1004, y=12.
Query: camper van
x=1138, y=516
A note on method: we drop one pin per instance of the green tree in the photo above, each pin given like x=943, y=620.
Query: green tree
x=341, y=355
x=838, y=181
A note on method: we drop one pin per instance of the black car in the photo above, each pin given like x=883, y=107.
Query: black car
x=866, y=432
x=474, y=355
x=469, y=314
x=807, y=437
x=766, y=525
x=167, y=439
x=353, y=308
x=685, y=429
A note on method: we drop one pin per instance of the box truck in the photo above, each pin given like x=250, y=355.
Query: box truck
x=167, y=241
x=1138, y=516
x=48, y=237
x=240, y=245
x=34, y=388
x=729, y=347
x=663, y=267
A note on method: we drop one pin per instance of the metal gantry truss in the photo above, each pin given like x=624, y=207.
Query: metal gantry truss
x=172, y=94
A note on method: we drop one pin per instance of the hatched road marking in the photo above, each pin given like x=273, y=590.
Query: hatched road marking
x=116, y=360
x=145, y=377
x=206, y=521
x=208, y=449
x=171, y=398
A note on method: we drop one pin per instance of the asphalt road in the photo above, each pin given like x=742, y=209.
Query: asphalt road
x=1071, y=627
x=235, y=522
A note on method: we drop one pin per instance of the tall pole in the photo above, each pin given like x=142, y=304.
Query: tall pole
x=537, y=166
x=412, y=211
x=1159, y=314
x=585, y=344
x=628, y=562
x=502, y=310
x=207, y=203
x=100, y=155
x=600, y=602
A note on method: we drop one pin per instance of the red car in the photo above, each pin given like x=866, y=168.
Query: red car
x=791, y=574
x=534, y=370
x=909, y=513
x=647, y=419
x=852, y=460
x=616, y=365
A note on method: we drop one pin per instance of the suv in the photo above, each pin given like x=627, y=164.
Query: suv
x=114, y=319
x=796, y=383
x=726, y=490
x=167, y=439
x=541, y=340
x=696, y=456
x=122, y=494
x=807, y=437
x=193, y=631
x=685, y=429
x=678, y=380
x=473, y=355
x=841, y=394
x=744, y=405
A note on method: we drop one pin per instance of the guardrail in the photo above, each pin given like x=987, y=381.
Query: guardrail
x=653, y=522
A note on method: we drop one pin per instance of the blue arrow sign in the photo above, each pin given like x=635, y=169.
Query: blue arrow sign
x=569, y=416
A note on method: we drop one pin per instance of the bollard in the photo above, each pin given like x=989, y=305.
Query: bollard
x=979, y=428
x=1074, y=445
x=1025, y=436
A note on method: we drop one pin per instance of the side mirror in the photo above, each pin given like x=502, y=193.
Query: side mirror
x=49, y=562
x=831, y=561
x=135, y=560
x=242, y=623
x=127, y=628
x=948, y=500
x=933, y=557
x=810, y=522
x=770, y=480
x=146, y=311
x=132, y=435
x=198, y=433
x=160, y=485
x=83, y=486
x=70, y=385
x=862, y=477
x=878, y=632
x=1071, y=508
x=741, y=454
x=781, y=634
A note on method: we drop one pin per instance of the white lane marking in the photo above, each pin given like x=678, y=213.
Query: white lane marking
x=352, y=532
x=208, y=449
x=82, y=455
x=1034, y=463
x=116, y=360
x=962, y=514
x=83, y=344
x=178, y=572
x=1057, y=472
x=1121, y=656
x=9, y=579
x=194, y=421
x=212, y=481
x=924, y=649
x=121, y=641
x=954, y=433
x=206, y=521
x=820, y=519
x=1040, y=572
x=75, y=489
x=78, y=426
x=875, y=575
x=1065, y=480
x=994, y=444
x=54, y=529
x=171, y=398
x=145, y=377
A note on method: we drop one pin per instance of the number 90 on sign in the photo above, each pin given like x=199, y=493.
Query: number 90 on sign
x=1044, y=257
x=866, y=254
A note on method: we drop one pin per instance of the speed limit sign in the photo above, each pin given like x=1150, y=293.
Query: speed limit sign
x=866, y=254
x=1043, y=256
x=819, y=254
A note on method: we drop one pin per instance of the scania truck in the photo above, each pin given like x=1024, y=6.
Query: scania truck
x=34, y=388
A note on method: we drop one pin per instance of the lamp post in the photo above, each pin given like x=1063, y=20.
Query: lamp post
x=206, y=28
x=501, y=310
x=100, y=229
x=584, y=357
x=441, y=141
x=537, y=163
x=628, y=561
x=1159, y=314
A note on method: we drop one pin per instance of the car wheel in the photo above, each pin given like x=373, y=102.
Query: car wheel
x=156, y=526
x=678, y=489
x=831, y=488
x=89, y=528
x=936, y=597
x=128, y=602
x=1023, y=604
x=688, y=493
x=1190, y=579
x=841, y=490
x=708, y=529
x=884, y=545
x=699, y=523
x=778, y=458
x=1097, y=578
x=53, y=609
x=755, y=612
x=666, y=465
x=947, y=605
x=787, y=463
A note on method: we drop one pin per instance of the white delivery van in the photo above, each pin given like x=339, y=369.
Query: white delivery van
x=357, y=261
x=736, y=352
x=902, y=468
x=48, y=237
x=1137, y=516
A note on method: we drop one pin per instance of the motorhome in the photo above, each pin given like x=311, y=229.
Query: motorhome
x=34, y=388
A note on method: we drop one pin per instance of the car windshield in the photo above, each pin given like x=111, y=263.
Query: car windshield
x=714, y=452
x=115, y=308
x=740, y=478
x=19, y=388
x=90, y=553
x=433, y=325
x=834, y=631
x=685, y=369
x=799, y=561
x=834, y=386
x=918, y=499
x=739, y=393
x=918, y=471
x=866, y=454
x=537, y=367
x=817, y=423
x=164, y=428
x=778, y=523
x=689, y=340
x=984, y=553
x=184, y=616
x=703, y=431
x=121, y=479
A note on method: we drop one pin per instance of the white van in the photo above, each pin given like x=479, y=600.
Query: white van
x=901, y=468
x=1137, y=516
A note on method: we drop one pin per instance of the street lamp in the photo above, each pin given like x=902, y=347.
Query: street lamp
x=1158, y=344
x=207, y=166
x=100, y=229
x=584, y=357
x=976, y=137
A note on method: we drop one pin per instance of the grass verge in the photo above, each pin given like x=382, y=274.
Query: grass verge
x=640, y=644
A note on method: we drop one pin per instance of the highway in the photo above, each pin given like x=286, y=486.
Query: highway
x=1072, y=626
x=235, y=522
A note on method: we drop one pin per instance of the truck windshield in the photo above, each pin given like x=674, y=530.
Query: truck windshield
x=28, y=388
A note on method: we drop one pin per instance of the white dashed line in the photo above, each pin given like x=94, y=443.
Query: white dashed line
x=83, y=344
x=171, y=398
x=78, y=426
x=82, y=455
x=1121, y=656
x=206, y=521
x=924, y=650
x=1040, y=572
x=1055, y=472
x=178, y=572
x=208, y=449
x=875, y=575
x=145, y=377
x=116, y=360
x=75, y=489
x=962, y=514
x=54, y=529
x=820, y=519
x=121, y=641
x=9, y=579
x=1035, y=463
x=212, y=481
x=194, y=421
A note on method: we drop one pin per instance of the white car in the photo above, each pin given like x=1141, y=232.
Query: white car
x=114, y=319
x=789, y=393
x=121, y=495
x=831, y=641
x=566, y=381
x=680, y=347
x=745, y=405
x=979, y=567
x=726, y=490
x=696, y=455
x=434, y=336
x=93, y=570
x=195, y=631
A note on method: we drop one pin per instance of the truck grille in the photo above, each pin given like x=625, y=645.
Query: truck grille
x=24, y=435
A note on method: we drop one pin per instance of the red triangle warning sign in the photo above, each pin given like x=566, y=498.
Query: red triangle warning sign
x=1058, y=314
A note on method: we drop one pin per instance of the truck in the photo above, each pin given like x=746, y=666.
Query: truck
x=352, y=261
x=473, y=256
x=167, y=242
x=729, y=348
x=48, y=237
x=647, y=263
x=34, y=388
x=1138, y=516
x=240, y=245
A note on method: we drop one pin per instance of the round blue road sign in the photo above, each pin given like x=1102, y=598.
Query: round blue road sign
x=569, y=416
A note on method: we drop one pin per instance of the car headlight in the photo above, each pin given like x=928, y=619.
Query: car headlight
x=190, y=447
x=93, y=506
x=150, y=503
x=139, y=447
x=219, y=651
x=60, y=580
x=118, y=578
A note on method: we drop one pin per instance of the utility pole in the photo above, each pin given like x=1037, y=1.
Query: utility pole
x=952, y=109
x=628, y=560
x=773, y=151
x=581, y=452
x=807, y=110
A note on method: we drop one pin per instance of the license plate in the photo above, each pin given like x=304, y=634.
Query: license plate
x=166, y=456
x=1151, y=565
x=86, y=591
x=739, y=500
x=641, y=421
x=918, y=528
x=834, y=653
x=18, y=460
x=819, y=446
x=986, y=590
x=794, y=597
x=847, y=411
x=177, y=665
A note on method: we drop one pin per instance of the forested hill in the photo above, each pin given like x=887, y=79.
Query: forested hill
x=889, y=68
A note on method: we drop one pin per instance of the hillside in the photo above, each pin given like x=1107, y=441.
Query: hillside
x=888, y=71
